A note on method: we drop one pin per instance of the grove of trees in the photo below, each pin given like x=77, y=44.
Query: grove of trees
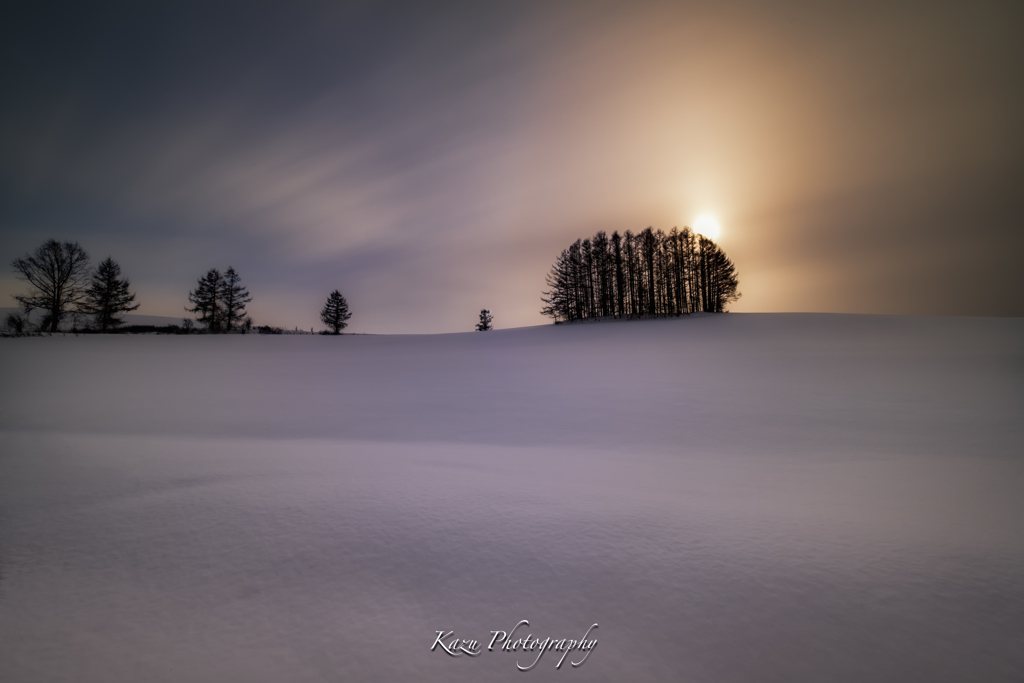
x=639, y=275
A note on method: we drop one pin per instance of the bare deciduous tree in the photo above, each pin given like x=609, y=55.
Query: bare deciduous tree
x=57, y=273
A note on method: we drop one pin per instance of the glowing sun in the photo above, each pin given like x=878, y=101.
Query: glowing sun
x=707, y=225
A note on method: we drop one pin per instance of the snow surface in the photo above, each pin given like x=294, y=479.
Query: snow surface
x=731, y=497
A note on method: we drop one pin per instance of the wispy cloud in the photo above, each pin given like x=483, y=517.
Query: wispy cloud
x=431, y=162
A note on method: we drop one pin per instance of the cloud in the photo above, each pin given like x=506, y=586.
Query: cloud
x=433, y=161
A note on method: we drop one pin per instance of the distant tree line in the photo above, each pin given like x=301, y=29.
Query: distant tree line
x=639, y=275
x=62, y=285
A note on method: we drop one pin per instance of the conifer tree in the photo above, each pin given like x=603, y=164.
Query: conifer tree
x=108, y=296
x=486, y=321
x=206, y=302
x=647, y=274
x=557, y=299
x=335, y=313
x=234, y=297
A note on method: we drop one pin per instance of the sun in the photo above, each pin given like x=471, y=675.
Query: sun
x=707, y=225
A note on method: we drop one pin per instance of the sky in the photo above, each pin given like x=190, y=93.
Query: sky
x=430, y=159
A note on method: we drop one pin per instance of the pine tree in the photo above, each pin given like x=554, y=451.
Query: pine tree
x=557, y=299
x=486, y=320
x=206, y=301
x=234, y=297
x=335, y=313
x=108, y=296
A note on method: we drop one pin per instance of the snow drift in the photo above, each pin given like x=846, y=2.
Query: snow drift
x=730, y=497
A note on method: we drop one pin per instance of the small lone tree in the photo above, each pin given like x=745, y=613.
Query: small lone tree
x=335, y=312
x=234, y=296
x=205, y=299
x=486, y=321
x=108, y=296
x=57, y=272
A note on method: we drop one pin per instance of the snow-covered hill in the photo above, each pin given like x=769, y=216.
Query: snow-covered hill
x=730, y=497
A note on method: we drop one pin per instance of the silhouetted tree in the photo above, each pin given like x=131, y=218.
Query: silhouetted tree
x=205, y=299
x=647, y=274
x=233, y=297
x=722, y=280
x=335, y=313
x=486, y=321
x=619, y=281
x=557, y=299
x=57, y=273
x=108, y=296
x=629, y=269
